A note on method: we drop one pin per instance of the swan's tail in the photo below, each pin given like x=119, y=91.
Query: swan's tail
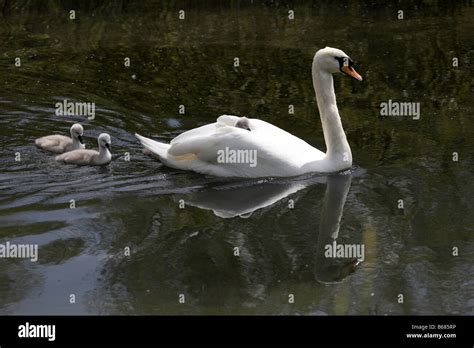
x=157, y=148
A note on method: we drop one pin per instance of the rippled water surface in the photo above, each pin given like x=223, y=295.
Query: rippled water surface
x=280, y=226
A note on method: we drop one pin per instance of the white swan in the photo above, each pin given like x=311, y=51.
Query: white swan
x=242, y=147
x=59, y=143
x=89, y=157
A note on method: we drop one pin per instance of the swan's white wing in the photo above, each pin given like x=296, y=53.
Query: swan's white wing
x=224, y=120
x=267, y=150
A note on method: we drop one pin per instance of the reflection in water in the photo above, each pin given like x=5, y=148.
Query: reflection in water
x=243, y=200
x=228, y=201
x=329, y=269
x=181, y=257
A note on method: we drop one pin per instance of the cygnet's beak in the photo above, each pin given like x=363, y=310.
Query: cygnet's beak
x=79, y=137
x=107, y=145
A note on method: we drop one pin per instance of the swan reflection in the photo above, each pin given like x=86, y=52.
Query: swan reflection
x=242, y=199
x=328, y=268
x=192, y=250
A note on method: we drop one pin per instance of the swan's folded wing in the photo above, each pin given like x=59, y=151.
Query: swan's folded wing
x=195, y=133
x=217, y=148
x=206, y=130
x=212, y=147
x=206, y=146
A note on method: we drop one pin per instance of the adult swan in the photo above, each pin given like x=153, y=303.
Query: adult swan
x=240, y=147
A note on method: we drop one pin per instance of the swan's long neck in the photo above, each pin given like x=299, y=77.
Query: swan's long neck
x=338, y=149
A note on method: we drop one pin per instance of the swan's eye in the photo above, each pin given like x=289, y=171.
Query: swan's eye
x=344, y=61
x=340, y=60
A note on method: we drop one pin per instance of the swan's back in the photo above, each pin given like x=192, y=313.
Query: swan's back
x=55, y=143
x=277, y=152
x=83, y=157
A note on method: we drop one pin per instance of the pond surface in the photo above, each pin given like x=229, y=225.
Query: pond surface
x=280, y=226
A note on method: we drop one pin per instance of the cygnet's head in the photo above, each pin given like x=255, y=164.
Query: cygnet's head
x=334, y=60
x=104, y=141
x=77, y=132
x=243, y=123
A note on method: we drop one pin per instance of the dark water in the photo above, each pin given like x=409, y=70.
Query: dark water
x=190, y=251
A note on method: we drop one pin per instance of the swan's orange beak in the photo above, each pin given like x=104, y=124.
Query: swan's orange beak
x=346, y=69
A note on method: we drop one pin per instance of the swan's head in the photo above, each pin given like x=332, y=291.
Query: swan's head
x=77, y=132
x=334, y=60
x=104, y=141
